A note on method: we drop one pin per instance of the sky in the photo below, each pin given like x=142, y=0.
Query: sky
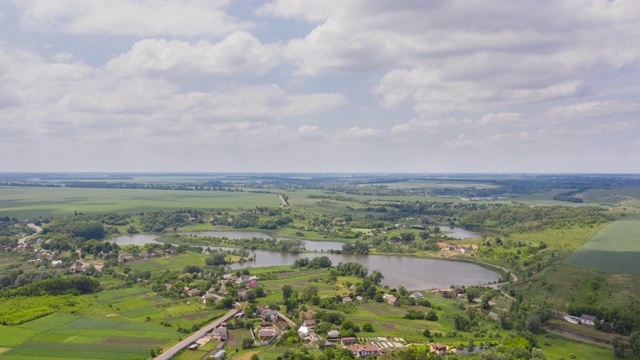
x=320, y=86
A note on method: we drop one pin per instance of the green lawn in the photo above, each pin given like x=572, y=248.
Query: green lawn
x=615, y=248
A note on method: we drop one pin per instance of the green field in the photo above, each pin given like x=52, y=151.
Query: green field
x=63, y=336
x=34, y=202
x=614, y=249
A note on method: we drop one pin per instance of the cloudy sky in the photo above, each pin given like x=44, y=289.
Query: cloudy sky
x=320, y=86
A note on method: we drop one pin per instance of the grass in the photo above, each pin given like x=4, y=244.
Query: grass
x=30, y=202
x=615, y=248
x=556, y=347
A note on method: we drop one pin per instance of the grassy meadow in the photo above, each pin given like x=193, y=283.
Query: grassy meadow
x=615, y=248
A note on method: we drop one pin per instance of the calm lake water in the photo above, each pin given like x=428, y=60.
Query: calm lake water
x=458, y=233
x=412, y=273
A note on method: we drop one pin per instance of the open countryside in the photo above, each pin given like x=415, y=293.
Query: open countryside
x=353, y=260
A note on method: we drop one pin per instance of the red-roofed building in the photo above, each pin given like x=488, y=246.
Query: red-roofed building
x=364, y=350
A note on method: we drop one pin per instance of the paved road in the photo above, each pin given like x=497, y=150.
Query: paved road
x=284, y=203
x=197, y=335
x=34, y=226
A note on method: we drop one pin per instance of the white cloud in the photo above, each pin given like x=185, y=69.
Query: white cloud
x=239, y=53
x=79, y=102
x=594, y=109
x=130, y=17
x=356, y=132
x=415, y=124
x=493, y=118
x=312, y=11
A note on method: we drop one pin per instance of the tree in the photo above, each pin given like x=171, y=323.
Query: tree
x=367, y=327
x=618, y=346
x=634, y=341
x=309, y=292
x=472, y=294
x=426, y=333
x=287, y=291
x=247, y=343
x=217, y=258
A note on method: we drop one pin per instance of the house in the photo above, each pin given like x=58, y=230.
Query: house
x=463, y=250
x=159, y=252
x=193, y=292
x=210, y=298
x=438, y=348
x=239, y=315
x=56, y=262
x=353, y=288
x=220, y=354
x=242, y=294
x=416, y=295
x=447, y=294
x=587, y=319
x=325, y=345
x=220, y=333
x=346, y=299
x=390, y=299
x=333, y=334
x=309, y=323
x=364, y=350
x=359, y=298
x=304, y=331
x=271, y=315
x=124, y=257
x=266, y=333
x=349, y=340
x=144, y=254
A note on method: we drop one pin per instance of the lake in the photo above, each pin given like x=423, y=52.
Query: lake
x=412, y=273
x=458, y=233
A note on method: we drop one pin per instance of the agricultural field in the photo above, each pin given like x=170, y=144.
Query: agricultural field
x=46, y=202
x=614, y=249
x=64, y=336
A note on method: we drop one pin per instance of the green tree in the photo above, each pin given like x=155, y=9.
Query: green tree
x=287, y=291
x=367, y=327
x=247, y=343
x=634, y=341
x=618, y=346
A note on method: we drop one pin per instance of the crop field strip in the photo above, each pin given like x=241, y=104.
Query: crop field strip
x=615, y=248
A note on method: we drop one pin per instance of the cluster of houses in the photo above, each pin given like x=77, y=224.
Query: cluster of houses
x=126, y=257
x=461, y=248
x=455, y=292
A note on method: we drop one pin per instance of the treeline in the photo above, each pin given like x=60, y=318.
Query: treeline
x=77, y=227
x=315, y=263
x=620, y=321
x=157, y=222
x=252, y=220
x=568, y=196
x=207, y=186
x=75, y=285
x=15, y=278
x=526, y=218
x=292, y=246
